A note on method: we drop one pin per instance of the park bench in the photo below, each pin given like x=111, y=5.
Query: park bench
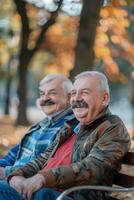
x=122, y=183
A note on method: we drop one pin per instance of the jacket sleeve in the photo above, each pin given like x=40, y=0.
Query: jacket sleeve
x=10, y=158
x=100, y=165
x=34, y=166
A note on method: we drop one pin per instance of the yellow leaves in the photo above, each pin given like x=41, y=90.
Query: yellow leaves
x=62, y=64
x=115, y=3
x=112, y=71
x=62, y=33
x=132, y=74
x=6, y=6
x=102, y=38
x=16, y=17
x=123, y=2
x=112, y=67
x=61, y=40
x=4, y=54
x=104, y=13
x=123, y=23
x=71, y=23
x=113, y=32
x=32, y=39
x=31, y=10
x=119, y=12
x=116, y=17
x=131, y=17
x=117, y=22
x=16, y=22
x=55, y=33
x=122, y=78
x=123, y=13
x=102, y=53
x=57, y=65
x=100, y=47
x=115, y=39
x=51, y=68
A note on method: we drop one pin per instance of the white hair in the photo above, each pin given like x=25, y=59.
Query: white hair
x=102, y=79
x=66, y=83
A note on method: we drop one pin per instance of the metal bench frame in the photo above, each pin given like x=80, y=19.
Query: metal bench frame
x=124, y=182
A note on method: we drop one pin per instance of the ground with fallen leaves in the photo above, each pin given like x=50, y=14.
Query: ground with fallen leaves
x=10, y=135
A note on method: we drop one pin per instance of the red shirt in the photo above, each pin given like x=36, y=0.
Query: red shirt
x=62, y=155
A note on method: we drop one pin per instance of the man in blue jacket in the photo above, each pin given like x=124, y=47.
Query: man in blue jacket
x=54, y=102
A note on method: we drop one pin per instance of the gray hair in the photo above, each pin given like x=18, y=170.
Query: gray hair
x=102, y=78
x=66, y=83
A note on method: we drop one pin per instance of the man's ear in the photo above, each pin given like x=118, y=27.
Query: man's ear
x=69, y=97
x=106, y=98
x=38, y=103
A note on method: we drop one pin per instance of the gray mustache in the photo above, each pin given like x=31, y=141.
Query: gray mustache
x=47, y=102
x=79, y=104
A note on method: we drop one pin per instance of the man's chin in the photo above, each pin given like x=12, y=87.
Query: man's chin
x=80, y=116
x=48, y=110
x=80, y=112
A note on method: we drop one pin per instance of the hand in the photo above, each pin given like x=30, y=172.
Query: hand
x=17, y=183
x=2, y=172
x=31, y=185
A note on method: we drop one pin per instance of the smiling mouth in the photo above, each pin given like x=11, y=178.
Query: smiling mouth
x=47, y=103
x=79, y=104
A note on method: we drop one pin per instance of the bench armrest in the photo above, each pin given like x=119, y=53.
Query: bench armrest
x=94, y=187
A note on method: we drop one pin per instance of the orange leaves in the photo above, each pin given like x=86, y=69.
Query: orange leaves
x=116, y=17
x=115, y=39
x=111, y=67
x=112, y=39
x=104, y=13
x=132, y=74
x=61, y=40
x=115, y=3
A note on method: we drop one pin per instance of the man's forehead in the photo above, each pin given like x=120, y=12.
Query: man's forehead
x=85, y=82
x=51, y=85
x=50, y=88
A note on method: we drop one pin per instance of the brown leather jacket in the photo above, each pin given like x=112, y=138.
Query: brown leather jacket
x=97, y=152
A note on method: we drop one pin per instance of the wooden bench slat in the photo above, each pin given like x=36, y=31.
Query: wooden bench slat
x=112, y=198
x=124, y=180
x=129, y=159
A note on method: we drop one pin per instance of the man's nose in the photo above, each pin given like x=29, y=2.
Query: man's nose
x=78, y=96
x=45, y=96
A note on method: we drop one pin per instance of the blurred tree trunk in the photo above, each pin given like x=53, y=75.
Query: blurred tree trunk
x=27, y=54
x=133, y=106
x=89, y=19
x=8, y=86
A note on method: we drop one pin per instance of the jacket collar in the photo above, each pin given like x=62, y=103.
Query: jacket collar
x=98, y=120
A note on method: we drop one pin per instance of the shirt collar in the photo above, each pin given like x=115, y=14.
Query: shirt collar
x=57, y=116
x=104, y=111
x=77, y=129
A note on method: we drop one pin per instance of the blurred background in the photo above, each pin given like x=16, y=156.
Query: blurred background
x=38, y=37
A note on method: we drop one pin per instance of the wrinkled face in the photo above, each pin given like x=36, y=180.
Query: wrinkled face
x=53, y=98
x=87, y=100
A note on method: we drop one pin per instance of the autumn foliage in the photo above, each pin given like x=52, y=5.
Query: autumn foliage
x=112, y=40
